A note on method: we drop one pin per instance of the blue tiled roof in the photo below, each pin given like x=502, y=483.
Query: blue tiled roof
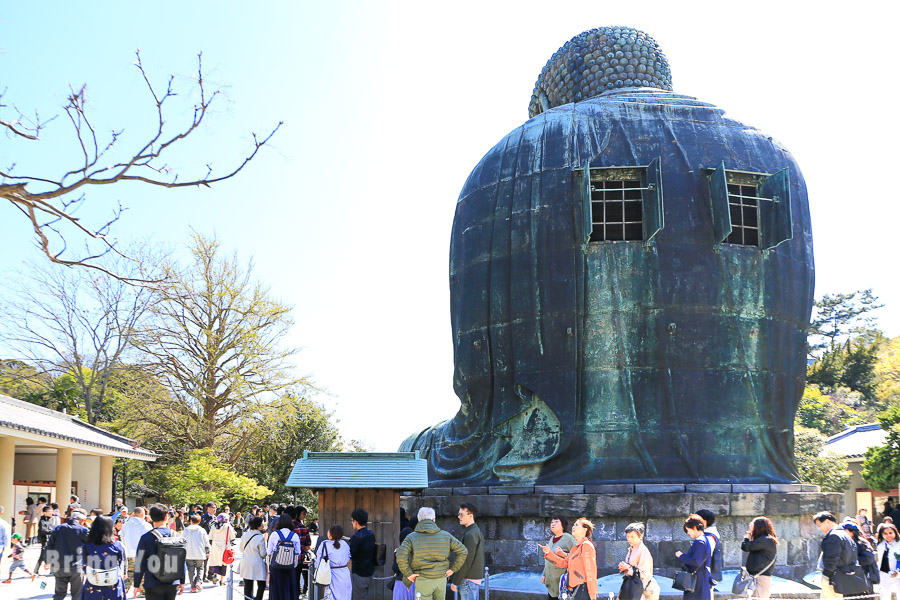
x=854, y=441
x=382, y=470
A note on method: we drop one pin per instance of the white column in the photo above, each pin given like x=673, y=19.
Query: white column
x=63, y=477
x=7, y=468
x=106, y=483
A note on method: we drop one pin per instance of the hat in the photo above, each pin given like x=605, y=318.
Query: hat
x=222, y=518
x=78, y=515
x=16, y=536
x=848, y=524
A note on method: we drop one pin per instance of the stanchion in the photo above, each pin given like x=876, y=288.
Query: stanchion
x=487, y=584
x=229, y=591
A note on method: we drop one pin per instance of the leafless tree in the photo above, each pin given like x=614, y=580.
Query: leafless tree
x=77, y=322
x=49, y=201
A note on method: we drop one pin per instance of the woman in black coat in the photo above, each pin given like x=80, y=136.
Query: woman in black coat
x=760, y=544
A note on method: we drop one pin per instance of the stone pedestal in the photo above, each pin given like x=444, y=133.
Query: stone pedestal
x=515, y=519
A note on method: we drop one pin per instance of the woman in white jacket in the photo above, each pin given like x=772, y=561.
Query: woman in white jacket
x=888, y=544
x=253, y=559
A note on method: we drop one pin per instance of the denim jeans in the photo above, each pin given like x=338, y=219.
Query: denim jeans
x=468, y=590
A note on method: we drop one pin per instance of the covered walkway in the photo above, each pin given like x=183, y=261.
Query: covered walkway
x=51, y=454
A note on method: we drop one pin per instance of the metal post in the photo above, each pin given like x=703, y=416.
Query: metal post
x=229, y=591
x=487, y=584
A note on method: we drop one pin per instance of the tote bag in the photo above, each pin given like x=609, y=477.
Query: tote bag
x=323, y=571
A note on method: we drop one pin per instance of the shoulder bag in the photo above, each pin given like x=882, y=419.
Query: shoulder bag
x=632, y=586
x=685, y=581
x=745, y=583
x=323, y=571
x=851, y=580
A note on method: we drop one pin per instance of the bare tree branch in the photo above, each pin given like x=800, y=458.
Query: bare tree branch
x=50, y=207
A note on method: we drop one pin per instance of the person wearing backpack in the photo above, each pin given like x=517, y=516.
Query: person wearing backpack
x=160, y=563
x=104, y=563
x=716, y=560
x=64, y=551
x=284, y=551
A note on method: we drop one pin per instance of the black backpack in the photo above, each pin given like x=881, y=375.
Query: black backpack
x=167, y=565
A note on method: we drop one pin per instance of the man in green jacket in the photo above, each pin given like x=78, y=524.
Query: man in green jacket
x=469, y=576
x=424, y=557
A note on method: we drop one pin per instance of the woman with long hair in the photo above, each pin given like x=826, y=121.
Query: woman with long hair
x=760, y=545
x=885, y=558
x=337, y=553
x=697, y=558
x=580, y=563
x=561, y=539
x=104, y=562
x=639, y=558
x=283, y=582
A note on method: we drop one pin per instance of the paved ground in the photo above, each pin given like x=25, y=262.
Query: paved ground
x=22, y=588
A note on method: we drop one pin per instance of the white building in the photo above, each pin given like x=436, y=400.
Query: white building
x=51, y=454
x=851, y=444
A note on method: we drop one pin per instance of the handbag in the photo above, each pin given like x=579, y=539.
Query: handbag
x=851, y=580
x=744, y=582
x=323, y=571
x=632, y=586
x=685, y=581
x=227, y=556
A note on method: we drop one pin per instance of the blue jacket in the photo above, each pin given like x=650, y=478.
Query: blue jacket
x=147, y=548
x=64, y=547
x=696, y=560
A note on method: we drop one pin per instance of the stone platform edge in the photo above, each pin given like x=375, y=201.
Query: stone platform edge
x=618, y=488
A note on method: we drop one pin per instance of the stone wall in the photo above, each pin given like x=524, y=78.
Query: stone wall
x=515, y=520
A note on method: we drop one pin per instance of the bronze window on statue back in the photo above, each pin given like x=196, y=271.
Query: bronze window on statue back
x=622, y=204
x=743, y=205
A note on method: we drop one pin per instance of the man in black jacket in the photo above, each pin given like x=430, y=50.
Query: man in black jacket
x=64, y=555
x=146, y=551
x=838, y=550
x=469, y=577
x=362, y=553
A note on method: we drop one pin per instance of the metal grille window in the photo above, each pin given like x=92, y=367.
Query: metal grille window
x=622, y=203
x=749, y=208
x=743, y=204
x=616, y=213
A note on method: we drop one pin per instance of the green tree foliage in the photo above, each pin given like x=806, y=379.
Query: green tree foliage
x=201, y=477
x=818, y=411
x=827, y=469
x=837, y=317
x=888, y=371
x=293, y=425
x=881, y=468
x=852, y=366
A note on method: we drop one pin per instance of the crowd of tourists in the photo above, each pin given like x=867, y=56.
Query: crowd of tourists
x=160, y=552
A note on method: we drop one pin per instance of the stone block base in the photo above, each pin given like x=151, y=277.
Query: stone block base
x=514, y=524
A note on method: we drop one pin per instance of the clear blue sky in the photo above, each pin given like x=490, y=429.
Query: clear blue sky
x=387, y=108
